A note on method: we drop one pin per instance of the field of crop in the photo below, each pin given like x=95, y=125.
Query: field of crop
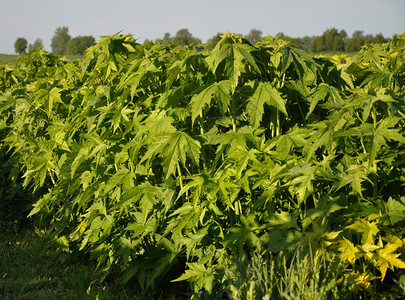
x=243, y=172
x=8, y=59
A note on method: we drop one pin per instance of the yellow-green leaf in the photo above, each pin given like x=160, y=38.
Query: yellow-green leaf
x=368, y=230
x=348, y=251
x=386, y=258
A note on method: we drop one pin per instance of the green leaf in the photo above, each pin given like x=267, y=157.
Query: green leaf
x=86, y=179
x=284, y=220
x=300, y=179
x=157, y=123
x=180, y=144
x=282, y=239
x=242, y=156
x=6, y=101
x=326, y=206
x=62, y=243
x=320, y=94
x=368, y=230
x=220, y=91
x=239, y=236
x=386, y=258
x=378, y=136
x=264, y=93
x=192, y=240
x=198, y=273
x=236, y=56
x=48, y=98
x=174, y=148
x=354, y=176
x=348, y=251
x=301, y=61
x=396, y=210
x=116, y=179
x=80, y=157
x=43, y=201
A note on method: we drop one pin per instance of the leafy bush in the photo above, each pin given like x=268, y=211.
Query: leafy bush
x=166, y=164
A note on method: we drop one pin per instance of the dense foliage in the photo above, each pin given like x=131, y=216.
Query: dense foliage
x=172, y=163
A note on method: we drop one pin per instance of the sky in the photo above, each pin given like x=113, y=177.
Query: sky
x=151, y=19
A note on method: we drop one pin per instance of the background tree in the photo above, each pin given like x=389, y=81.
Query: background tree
x=184, y=37
x=147, y=44
x=36, y=45
x=20, y=45
x=379, y=38
x=306, y=42
x=330, y=40
x=167, y=39
x=355, y=42
x=79, y=44
x=338, y=43
x=254, y=36
x=60, y=40
x=333, y=40
x=212, y=42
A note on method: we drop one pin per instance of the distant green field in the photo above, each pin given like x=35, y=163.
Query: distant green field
x=8, y=59
x=74, y=57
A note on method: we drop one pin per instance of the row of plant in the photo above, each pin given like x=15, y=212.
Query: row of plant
x=168, y=165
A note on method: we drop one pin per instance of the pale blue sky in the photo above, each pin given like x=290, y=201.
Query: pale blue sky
x=150, y=19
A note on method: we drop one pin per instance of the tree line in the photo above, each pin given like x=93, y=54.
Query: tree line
x=336, y=41
x=62, y=43
x=332, y=40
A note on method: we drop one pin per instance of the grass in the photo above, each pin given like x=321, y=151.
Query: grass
x=8, y=59
x=299, y=276
x=29, y=269
x=276, y=277
x=74, y=57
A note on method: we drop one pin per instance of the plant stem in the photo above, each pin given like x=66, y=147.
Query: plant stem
x=180, y=176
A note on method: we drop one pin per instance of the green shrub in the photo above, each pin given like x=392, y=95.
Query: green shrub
x=162, y=164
